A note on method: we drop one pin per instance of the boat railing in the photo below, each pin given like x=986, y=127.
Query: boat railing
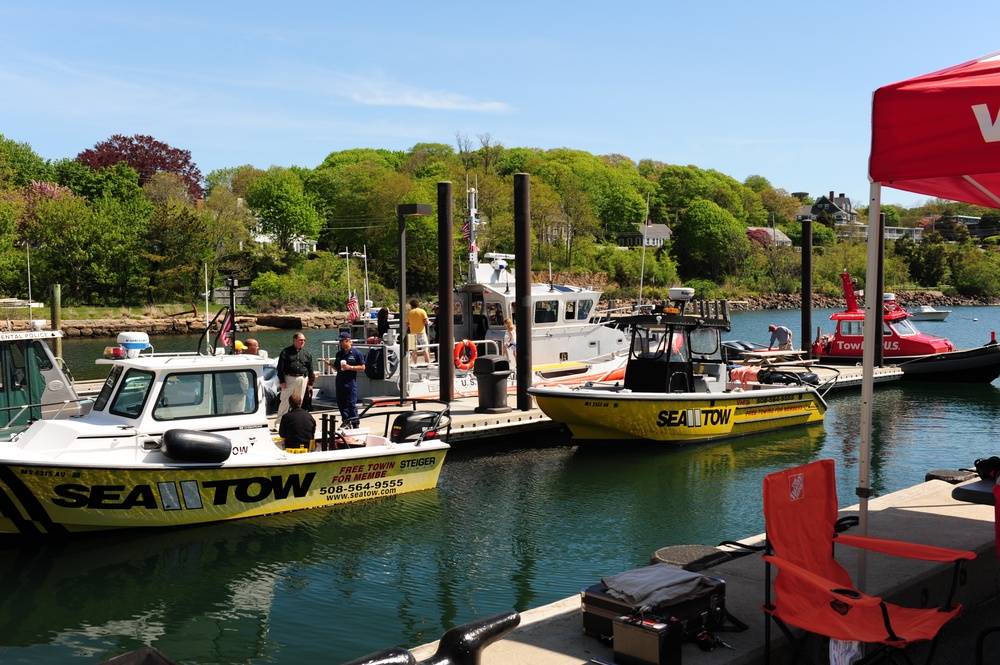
x=483, y=347
x=12, y=421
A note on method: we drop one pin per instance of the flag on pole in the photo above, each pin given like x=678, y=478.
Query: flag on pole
x=466, y=233
x=352, y=308
x=226, y=331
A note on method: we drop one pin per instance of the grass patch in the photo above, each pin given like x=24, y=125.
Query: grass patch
x=93, y=312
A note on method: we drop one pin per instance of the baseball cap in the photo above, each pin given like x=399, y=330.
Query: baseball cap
x=345, y=335
x=240, y=346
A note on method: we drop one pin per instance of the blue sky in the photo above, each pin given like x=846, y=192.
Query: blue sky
x=779, y=89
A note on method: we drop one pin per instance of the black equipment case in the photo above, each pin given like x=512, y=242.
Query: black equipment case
x=599, y=610
x=648, y=640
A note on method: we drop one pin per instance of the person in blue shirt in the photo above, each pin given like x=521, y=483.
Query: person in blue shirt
x=780, y=335
x=347, y=363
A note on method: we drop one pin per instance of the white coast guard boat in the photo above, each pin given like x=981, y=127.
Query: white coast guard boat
x=570, y=344
x=177, y=439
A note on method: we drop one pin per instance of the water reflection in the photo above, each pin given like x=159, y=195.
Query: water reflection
x=511, y=526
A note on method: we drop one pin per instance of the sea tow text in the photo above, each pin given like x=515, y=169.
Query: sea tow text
x=693, y=417
x=119, y=497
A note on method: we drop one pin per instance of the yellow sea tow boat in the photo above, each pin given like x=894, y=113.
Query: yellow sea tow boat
x=177, y=439
x=677, y=387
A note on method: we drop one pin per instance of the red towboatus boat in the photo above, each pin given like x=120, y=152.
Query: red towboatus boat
x=921, y=356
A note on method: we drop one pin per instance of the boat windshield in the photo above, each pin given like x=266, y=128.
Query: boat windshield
x=904, y=328
x=109, y=385
x=704, y=341
x=132, y=394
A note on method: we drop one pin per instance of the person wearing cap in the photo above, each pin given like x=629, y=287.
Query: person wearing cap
x=781, y=335
x=347, y=363
x=239, y=347
x=295, y=373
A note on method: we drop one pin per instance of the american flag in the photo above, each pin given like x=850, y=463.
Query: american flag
x=466, y=233
x=352, y=308
x=226, y=331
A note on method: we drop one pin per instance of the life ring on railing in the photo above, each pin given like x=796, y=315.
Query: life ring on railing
x=465, y=355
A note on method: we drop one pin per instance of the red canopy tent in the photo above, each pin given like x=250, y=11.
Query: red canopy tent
x=939, y=135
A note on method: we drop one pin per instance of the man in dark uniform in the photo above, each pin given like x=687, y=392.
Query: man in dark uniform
x=347, y=362
x=295, y=373
x=298, y=427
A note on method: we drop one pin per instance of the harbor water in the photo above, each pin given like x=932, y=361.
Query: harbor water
x=512, y=525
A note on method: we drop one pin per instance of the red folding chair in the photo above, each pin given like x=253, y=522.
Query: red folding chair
x=813, y=592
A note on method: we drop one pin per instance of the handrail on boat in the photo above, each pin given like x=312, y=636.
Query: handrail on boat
x=62, y=404
x=491, y=345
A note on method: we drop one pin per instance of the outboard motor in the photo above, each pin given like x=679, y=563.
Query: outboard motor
x=735, y=349
x=415, y=426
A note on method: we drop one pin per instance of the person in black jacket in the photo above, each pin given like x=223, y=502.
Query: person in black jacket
x=298, y=427
x=295, y=373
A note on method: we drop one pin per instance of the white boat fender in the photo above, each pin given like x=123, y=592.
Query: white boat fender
x=188, y=445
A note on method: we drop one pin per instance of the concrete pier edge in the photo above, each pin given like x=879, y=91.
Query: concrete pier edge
x=926, y=513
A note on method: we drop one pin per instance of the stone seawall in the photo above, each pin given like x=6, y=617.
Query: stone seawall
x=326, y=320
x=188, y=326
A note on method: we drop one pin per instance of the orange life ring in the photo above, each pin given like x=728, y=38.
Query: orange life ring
x=465, y=355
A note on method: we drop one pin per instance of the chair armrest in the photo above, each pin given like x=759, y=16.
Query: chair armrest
x=904, y=549
x=848, y=596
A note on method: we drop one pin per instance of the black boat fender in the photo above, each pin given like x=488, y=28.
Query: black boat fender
x=188, y=445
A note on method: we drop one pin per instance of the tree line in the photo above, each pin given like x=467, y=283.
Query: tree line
x=133, y=221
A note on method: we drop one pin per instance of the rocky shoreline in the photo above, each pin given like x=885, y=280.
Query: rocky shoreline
x=326, y=320
x=905, y=298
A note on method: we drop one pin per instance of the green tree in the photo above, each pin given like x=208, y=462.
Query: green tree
x=279, y=201
x=710, y=242
x=757, y=183
x=19, y=164
x=975, y=273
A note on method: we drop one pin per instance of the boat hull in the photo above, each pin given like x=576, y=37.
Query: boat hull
x=979, y=365
x=680, y=418
x=42, y=498
x=976, y=365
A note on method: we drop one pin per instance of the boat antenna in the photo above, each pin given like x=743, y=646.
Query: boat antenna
x=27, y=250
x=366, y=274
x=642, y=269
x=347, y=257
x=471, y=223
x=552, y=287
x=208, y=291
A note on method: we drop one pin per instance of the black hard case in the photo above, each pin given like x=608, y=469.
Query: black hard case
x=598, y=610
x=648, y=640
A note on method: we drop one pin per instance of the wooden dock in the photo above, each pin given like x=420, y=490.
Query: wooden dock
x=838, y=377
x=469, y=426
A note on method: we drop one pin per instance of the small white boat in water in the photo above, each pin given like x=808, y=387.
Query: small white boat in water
x=928, y=313
x=183, y=438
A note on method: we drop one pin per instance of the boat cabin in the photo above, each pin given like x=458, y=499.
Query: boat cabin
x=678, y=349
x=34, y=383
